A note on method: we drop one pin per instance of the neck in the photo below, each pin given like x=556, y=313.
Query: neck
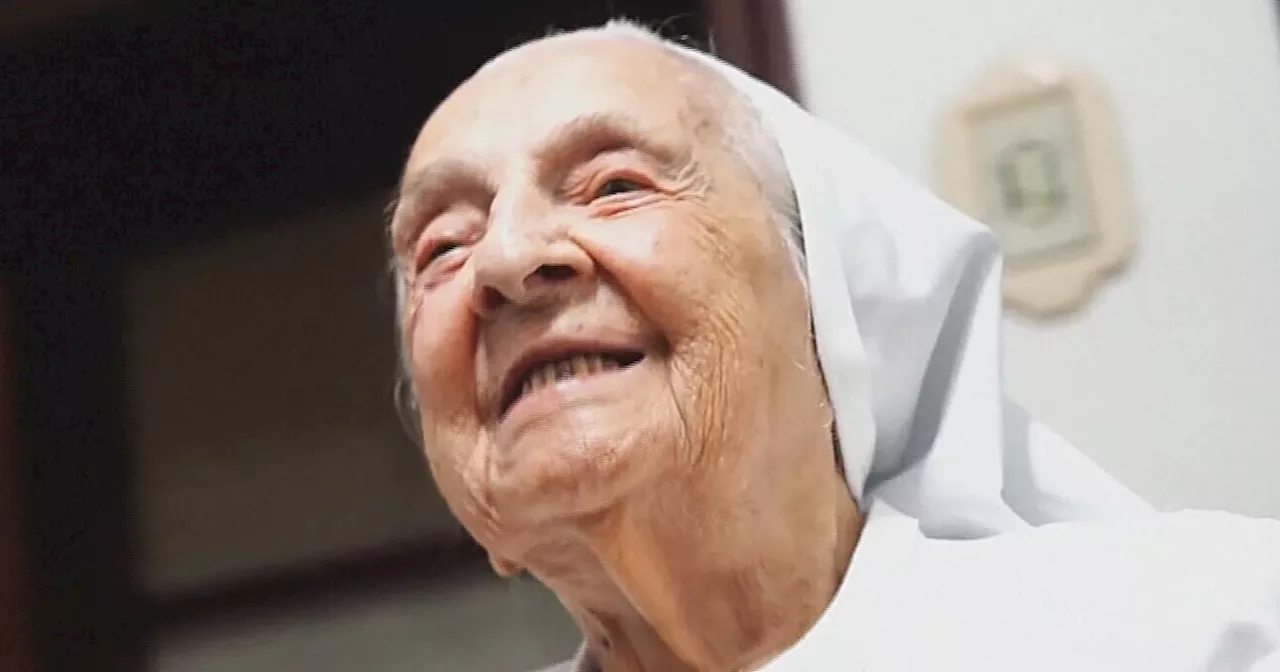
x=726, y=597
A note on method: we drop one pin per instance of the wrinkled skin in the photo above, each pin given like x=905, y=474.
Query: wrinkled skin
x=687, y=510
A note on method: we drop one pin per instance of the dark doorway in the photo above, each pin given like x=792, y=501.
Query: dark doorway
x=151, y=151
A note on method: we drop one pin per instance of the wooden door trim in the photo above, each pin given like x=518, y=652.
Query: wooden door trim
x=755, y=36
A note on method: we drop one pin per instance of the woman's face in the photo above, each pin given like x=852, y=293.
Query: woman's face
x=598, y=305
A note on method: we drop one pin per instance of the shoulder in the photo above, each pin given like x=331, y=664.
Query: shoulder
x=1210, y=554
x=1189, y=590
x=1209, y=581
x=1205, y=559
x=1262, y=535
x=1208, y=539
x=1187, y=540
x=1225, y=565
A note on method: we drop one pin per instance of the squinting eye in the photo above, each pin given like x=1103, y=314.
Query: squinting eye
x=617, y=185
x=434, y=254
x=441, y=250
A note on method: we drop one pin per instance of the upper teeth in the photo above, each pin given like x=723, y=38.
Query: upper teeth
x=562, y=369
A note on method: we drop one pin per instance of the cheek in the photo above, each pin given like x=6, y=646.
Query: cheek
x=696, y=279
x=440, y=331
x=683, y=269
x=440, y=335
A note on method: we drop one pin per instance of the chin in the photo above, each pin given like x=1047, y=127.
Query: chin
x=577, y=448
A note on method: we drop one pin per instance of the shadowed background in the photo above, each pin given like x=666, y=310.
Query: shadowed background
x=203, y=471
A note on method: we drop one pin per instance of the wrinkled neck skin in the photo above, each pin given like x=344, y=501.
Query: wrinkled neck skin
x=655, y=589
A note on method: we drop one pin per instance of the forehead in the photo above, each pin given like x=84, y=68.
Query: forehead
x=513, y=106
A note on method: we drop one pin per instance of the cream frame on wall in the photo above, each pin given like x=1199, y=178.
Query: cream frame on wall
x=1033, y=151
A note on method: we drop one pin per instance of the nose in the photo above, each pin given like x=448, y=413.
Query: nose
x=526, y=266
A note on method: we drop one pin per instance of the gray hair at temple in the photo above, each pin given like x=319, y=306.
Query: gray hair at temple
x=744, y=135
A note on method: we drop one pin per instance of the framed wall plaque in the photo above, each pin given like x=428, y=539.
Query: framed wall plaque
x=1032, y=150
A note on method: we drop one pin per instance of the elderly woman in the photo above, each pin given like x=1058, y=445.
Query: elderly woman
x=730, y=387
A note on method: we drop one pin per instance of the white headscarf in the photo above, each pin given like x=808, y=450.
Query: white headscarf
x=906, y=303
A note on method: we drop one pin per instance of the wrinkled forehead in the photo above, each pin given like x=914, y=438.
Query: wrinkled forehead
x=559, y=93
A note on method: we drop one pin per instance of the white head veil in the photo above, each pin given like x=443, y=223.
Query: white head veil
x=906, y=303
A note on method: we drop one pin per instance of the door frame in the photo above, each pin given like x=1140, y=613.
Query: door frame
x=755, y=35
x=15, y=613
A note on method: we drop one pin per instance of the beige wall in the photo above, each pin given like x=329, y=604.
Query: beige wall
x=261, y=370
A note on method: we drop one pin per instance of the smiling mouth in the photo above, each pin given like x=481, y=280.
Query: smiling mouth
x=574, y=366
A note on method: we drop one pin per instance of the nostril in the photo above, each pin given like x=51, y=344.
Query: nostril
x=544, y=283
x=491, y=300
x=555, y=272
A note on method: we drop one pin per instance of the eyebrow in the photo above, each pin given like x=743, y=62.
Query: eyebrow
x=439, y=175
x=587, y=135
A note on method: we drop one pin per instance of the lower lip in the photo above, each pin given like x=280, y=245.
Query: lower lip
x=560, y=394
